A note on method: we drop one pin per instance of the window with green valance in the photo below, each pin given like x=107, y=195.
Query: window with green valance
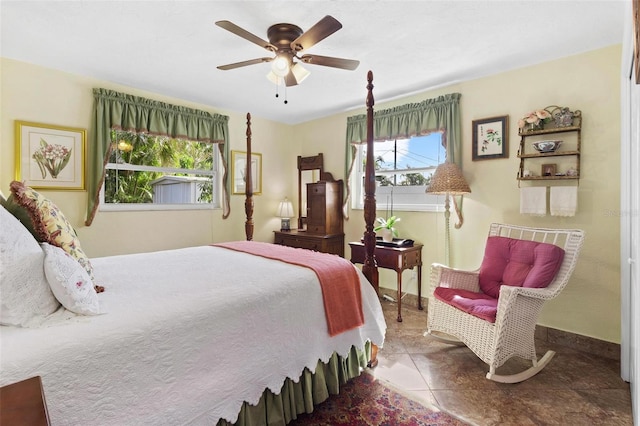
x=441, y=114
x=119, y=111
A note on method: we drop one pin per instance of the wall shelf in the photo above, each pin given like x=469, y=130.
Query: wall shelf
x=526, y=152
x=549, y=154
x=549, y=177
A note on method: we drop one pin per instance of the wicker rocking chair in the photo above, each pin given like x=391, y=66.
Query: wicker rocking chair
x=499, y=326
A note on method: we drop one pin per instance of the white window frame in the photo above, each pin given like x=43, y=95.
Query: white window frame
x=393, y=198
x=214, y=173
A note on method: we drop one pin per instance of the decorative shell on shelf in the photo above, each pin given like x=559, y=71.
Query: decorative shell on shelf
x=563, y=117
x=546, y=146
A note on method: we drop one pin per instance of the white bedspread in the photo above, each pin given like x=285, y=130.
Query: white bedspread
x=189, y=334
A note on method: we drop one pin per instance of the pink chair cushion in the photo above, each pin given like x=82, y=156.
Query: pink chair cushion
x=476, y=304
x=518, y=263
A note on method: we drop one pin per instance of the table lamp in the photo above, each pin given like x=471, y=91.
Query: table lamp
x=285, y=213
x=448, y=180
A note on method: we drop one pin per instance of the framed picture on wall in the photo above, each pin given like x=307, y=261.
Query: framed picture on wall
x=548, y=170
x=239, y=169
x=490, y=138
x=50, y=156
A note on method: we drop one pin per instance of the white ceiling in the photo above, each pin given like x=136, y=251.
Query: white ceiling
x=173, y=47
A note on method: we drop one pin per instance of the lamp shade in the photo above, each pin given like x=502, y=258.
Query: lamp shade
x=280, y=65
x=448, y=179
x=285, y=209
x=298, y=72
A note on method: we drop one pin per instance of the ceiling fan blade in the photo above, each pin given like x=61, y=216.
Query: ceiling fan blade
x=323, y=29
x=244, y=63
x=329, y=61
x=230, y=26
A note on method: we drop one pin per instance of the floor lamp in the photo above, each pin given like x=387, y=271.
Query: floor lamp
x=448, y=180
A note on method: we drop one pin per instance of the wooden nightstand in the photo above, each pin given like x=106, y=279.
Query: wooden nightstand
x=23, y=404
x=396, y=258
x=333, y=244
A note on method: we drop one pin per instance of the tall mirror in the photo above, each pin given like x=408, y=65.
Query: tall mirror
x=310, y=169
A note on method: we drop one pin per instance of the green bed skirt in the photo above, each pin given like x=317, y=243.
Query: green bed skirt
x=301, y=396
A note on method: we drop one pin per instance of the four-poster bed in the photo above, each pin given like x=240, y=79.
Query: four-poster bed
x=195, y=335
x=369, y=268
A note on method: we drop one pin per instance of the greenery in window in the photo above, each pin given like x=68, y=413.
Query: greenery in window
x=415, y=179
x=138, y=161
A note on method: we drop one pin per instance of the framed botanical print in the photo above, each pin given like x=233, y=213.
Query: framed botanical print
x=49, y=156
x=239, y=168
x=490, y=138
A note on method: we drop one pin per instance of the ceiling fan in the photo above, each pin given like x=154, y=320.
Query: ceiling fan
x=287, y=41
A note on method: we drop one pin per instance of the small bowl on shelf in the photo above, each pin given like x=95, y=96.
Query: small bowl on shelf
x=546, y=146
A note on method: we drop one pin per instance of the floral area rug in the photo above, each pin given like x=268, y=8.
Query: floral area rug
x=365, y=401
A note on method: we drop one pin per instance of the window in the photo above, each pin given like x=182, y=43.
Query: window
x=147, y=172
x=403, y=170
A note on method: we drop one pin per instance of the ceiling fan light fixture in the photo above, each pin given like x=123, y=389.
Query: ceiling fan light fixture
x=299, y=72
x=286, y=40
x=280, y=65
x=274, y=78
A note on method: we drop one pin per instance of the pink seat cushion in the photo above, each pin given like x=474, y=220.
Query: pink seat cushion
x=477, y=304
x=518, y=263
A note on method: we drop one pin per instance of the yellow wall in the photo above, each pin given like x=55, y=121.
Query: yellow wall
x=590, y=305
x=37, y=94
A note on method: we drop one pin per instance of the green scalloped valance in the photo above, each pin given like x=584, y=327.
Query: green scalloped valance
x=115, y=110
x=441, y=114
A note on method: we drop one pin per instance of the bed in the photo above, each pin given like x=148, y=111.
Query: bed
x=177, y=341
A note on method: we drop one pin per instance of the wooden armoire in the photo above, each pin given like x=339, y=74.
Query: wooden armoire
x=321, y=228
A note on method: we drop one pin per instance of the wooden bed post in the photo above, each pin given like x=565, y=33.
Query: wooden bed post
x=370, y=266
x=248, y=203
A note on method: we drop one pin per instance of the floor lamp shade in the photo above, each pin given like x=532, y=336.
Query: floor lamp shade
x=448, y=180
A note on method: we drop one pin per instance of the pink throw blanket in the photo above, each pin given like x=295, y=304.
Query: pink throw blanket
x=338, y=280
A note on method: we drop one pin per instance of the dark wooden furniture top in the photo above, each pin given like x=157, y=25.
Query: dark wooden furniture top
x=23, y=404
x=333, y=244
x=324, y=208
x=321, y=228
x=397, y=259
x=315, y=162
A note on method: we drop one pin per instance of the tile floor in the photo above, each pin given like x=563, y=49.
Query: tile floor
x=576, y=388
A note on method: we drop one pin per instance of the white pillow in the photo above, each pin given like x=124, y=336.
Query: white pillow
x=69, y=281
x=25, y=296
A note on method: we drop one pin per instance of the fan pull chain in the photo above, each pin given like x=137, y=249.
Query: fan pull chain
x=285, y=90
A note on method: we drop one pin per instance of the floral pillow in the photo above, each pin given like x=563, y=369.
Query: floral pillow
x=26, y=296
x=69, y=281
x=49, y=224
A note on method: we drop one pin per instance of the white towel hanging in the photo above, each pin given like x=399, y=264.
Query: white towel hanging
x=563, y=200
x=533, y=200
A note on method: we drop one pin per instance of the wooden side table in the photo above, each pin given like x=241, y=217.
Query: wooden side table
x=396, y=258
x=23, y=403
